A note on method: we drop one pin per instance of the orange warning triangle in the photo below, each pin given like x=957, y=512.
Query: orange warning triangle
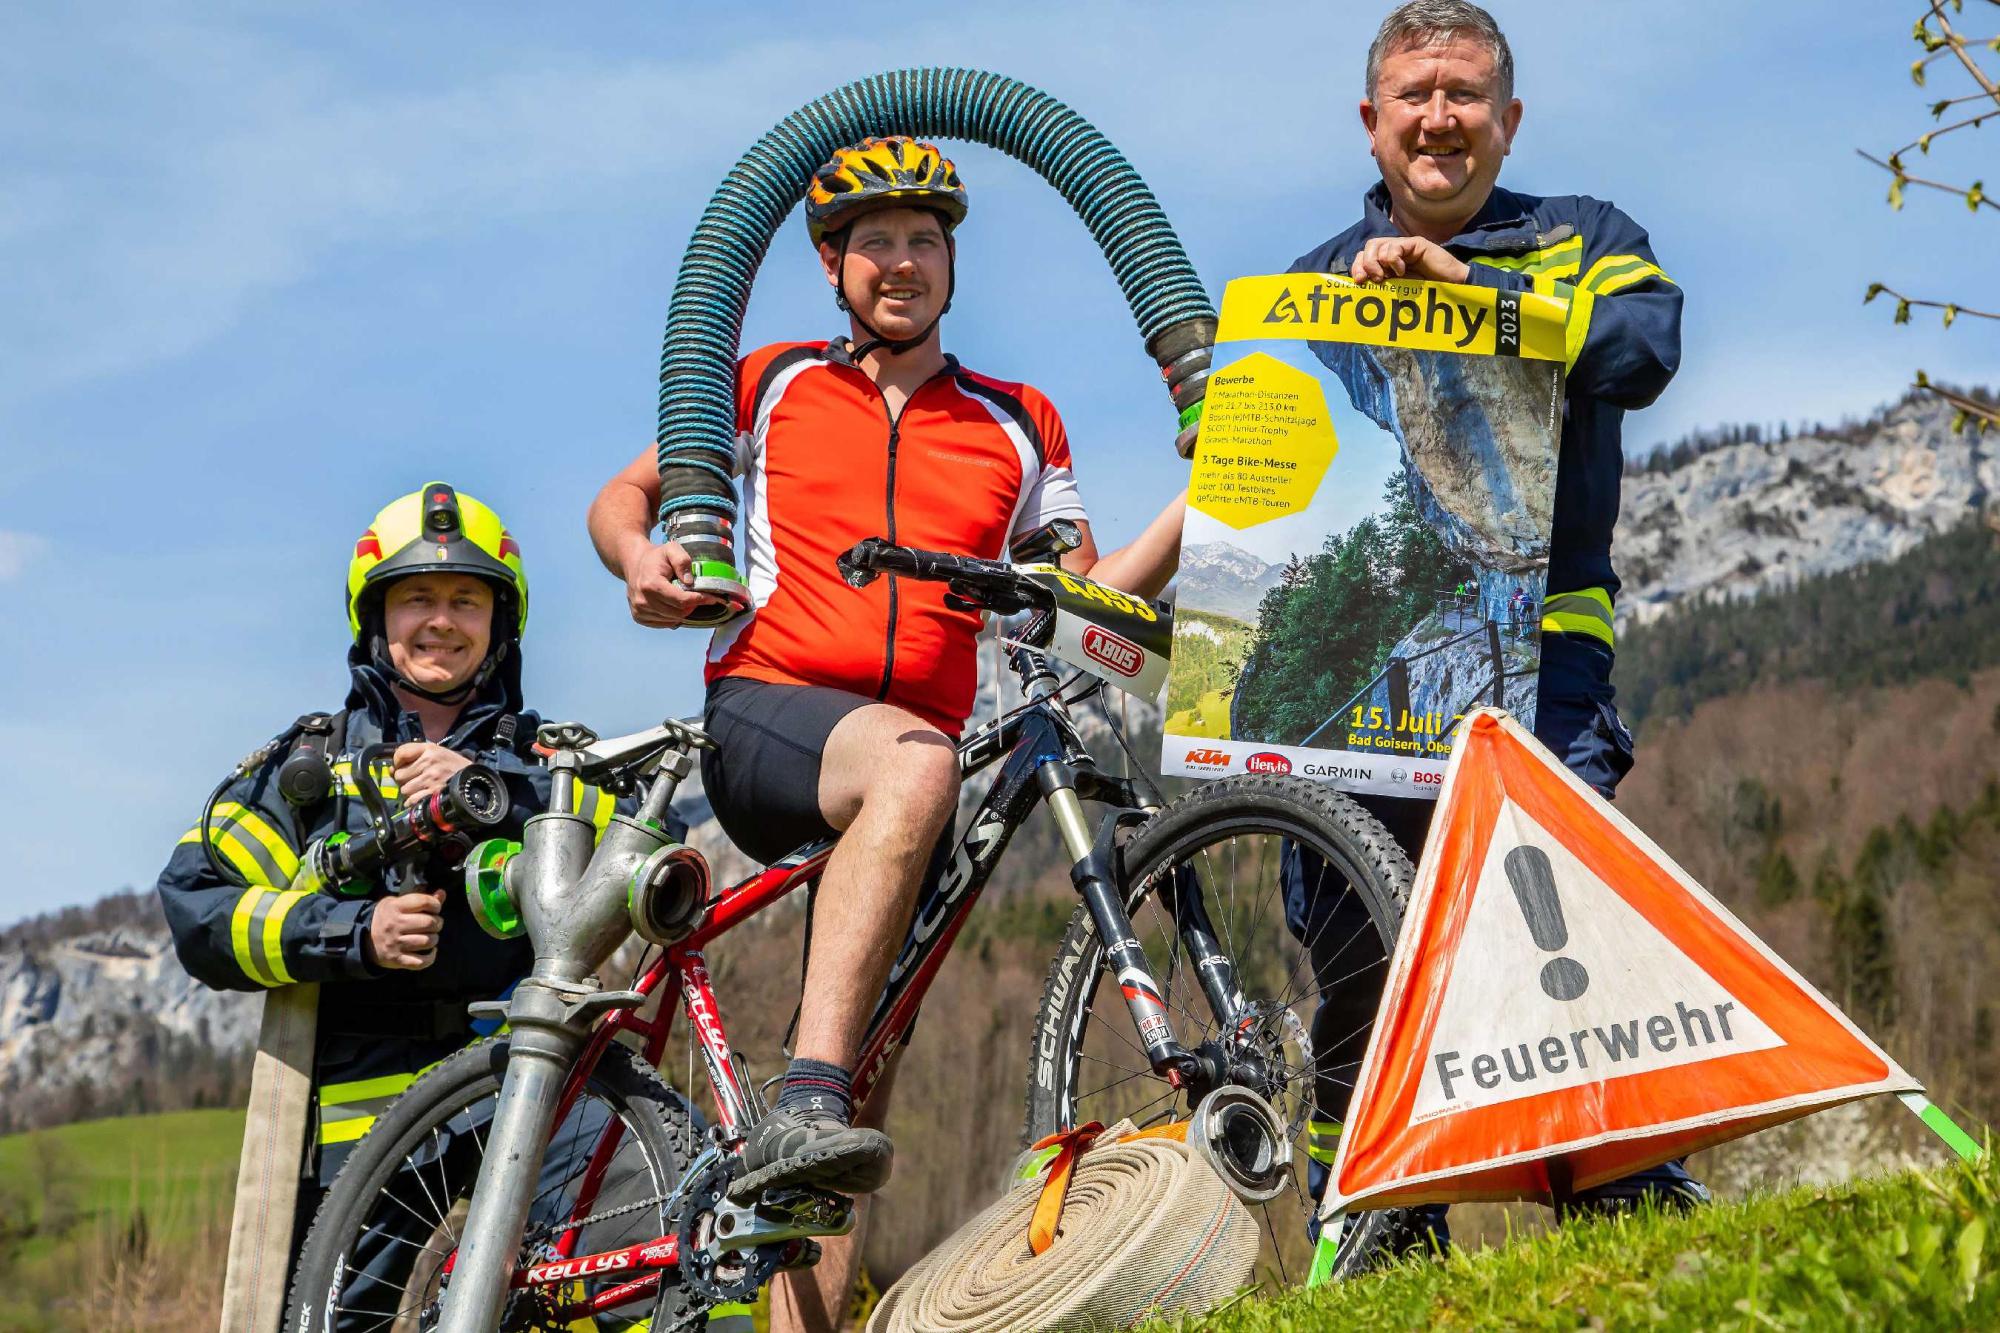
x=1566, y=1005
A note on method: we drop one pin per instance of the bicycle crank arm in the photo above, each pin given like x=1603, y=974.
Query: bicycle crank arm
x=779, y=1216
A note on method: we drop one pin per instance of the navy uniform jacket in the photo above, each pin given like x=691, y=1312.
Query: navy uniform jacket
x=1623, y=345
x=378, y=1027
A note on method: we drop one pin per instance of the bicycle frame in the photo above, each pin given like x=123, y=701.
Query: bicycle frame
x=1044, y=758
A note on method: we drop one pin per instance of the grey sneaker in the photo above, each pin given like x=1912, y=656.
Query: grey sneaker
x=787, y=1150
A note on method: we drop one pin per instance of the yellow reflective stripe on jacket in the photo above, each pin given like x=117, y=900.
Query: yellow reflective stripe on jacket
x=730, y=1317
x=257, y=850
x=232, y=850
x=1586, y=611
x=1576, y=331
x=243, y=927
x=343, y=780
x=347, y=1110
x=257, y=934
x=594, y=803
x=1550, y=270
x=1322, y=1140
x=275, y=912
x=1616, y=272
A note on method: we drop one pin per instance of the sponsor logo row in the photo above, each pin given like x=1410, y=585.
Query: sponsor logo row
x=1209, y=759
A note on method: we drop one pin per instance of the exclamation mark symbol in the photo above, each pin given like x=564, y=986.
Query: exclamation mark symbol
x=1534, y=882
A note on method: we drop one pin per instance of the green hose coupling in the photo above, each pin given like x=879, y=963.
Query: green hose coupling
x=486, y=889
x=710, y=543
x=1183, y=351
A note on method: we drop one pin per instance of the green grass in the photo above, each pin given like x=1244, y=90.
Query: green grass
x=117, y=1224
x=1204, y=673
x=1918, y=1250
x=163, y=1164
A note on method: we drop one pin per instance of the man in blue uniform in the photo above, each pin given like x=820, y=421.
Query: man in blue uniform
x=437, y=600
x=1441, y=115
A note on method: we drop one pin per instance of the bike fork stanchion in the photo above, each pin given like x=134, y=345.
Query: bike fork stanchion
x=547, y=1033
x=1123, y=954
x=1212, y=968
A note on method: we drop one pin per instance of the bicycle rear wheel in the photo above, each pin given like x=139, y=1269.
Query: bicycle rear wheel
x=377, y=1253
x=1302, y=892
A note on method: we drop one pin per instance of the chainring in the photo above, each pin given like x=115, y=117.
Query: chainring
x=738, y=1275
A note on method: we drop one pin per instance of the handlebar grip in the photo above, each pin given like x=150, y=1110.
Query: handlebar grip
x=871, y=557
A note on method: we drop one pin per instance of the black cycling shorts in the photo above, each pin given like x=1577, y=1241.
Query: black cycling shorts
x=762, y=777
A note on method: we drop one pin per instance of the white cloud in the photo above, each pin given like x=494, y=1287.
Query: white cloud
x=18, y=550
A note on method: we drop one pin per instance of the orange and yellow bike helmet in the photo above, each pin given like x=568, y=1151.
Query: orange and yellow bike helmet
x=896, y=172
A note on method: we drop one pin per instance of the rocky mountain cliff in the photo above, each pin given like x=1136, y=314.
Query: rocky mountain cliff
x=96, y=1014
x=108, y=1021
x=1749, y=516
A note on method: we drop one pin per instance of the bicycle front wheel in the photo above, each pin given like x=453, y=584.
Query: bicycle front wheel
x=1300, y=891
x=378, y=1256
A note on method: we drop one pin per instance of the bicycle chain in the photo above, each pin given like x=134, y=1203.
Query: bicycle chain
x=579, y=1224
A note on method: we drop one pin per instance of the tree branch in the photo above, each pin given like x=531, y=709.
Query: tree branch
x=1922, y=142
x=1903, y=303
x=1879, y=289
x=1957, y=45
x=1964, y=192
x=1967, y=406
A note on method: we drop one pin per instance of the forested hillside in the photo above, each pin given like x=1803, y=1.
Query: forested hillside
x=1933, y=613
x=1826, y=758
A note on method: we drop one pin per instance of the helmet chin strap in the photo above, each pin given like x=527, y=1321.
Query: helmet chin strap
x=875, y=339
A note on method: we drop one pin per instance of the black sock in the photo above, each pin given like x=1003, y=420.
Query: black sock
x=818, y=1089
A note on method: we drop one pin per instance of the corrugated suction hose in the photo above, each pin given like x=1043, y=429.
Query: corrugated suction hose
x=697, y=421
x=1147, y=1229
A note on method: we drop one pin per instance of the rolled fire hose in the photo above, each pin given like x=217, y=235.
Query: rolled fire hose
x=1147, y=1229
x=697, y=416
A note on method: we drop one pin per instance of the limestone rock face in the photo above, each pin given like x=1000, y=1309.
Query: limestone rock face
x=1477, y=433
x=1746, y=517
x=105, y=1010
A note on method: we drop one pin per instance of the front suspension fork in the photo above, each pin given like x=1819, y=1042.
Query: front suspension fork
x=1097, y=880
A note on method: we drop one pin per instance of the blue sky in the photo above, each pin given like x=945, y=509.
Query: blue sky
x=263, y=267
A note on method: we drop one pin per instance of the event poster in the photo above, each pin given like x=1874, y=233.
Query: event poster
x=1367, y=536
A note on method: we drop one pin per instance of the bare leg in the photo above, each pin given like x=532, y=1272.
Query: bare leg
x=890, y=782
x=815, y=1301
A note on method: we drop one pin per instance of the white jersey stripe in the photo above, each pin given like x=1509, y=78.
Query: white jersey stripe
x=756, y=552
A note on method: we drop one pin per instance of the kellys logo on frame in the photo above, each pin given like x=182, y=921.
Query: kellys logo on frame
x=1366, y=546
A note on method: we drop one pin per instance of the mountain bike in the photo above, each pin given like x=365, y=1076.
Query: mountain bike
x=578, y=1186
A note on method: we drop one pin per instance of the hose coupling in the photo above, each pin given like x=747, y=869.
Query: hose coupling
x=710, y=541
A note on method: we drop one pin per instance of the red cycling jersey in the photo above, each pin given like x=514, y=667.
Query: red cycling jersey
x=969, y=462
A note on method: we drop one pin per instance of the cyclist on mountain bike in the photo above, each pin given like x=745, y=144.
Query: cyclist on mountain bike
x=834, y=708
x=436, y=602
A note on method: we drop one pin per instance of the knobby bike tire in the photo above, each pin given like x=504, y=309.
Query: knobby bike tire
x=654, y=1117
x=1352, y=843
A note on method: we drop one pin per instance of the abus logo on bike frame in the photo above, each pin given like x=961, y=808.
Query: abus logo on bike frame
x=1267, y=762
x=1120, y=654
x=1207, y=758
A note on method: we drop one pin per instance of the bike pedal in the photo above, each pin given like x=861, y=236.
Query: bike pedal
x=801, y=1201
x=800, y=1254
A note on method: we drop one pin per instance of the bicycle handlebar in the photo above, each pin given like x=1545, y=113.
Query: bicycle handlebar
x=981, y=585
